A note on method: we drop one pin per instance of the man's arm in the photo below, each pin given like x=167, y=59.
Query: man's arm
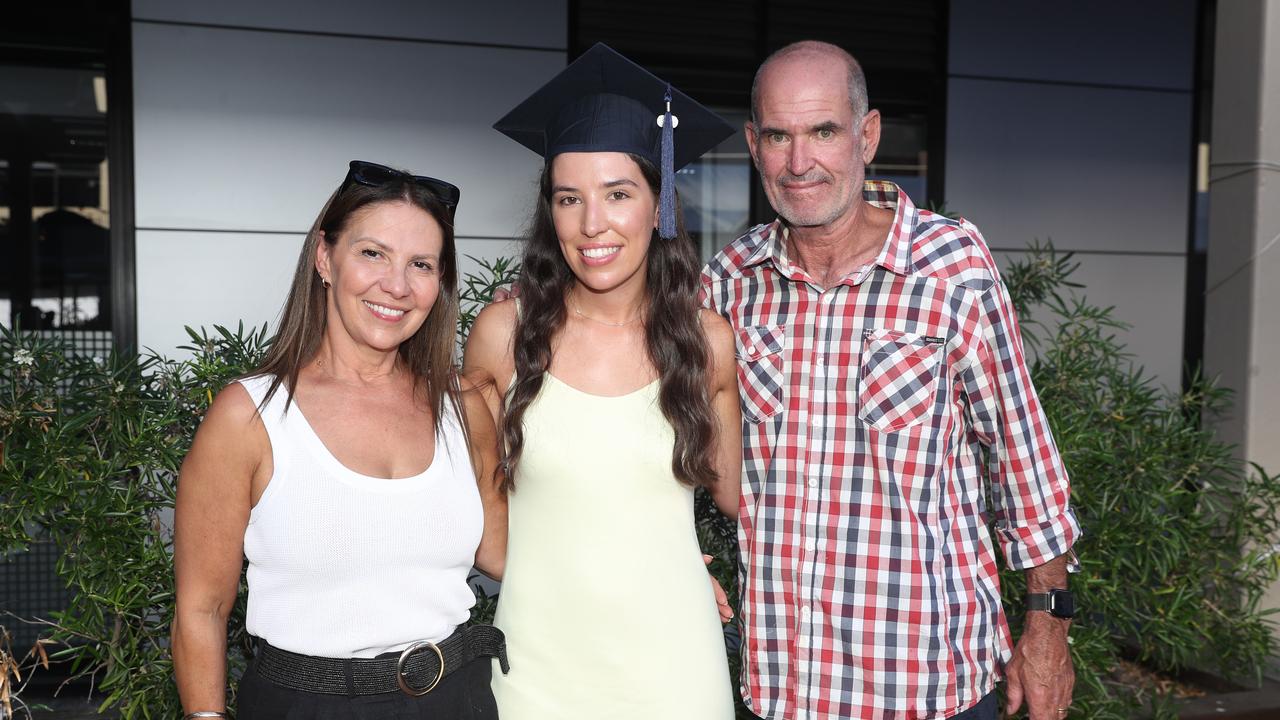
x=1030, y=497
x=1041, y=671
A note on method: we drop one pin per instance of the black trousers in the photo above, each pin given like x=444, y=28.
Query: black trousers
x=986, y=709
x=463, y=695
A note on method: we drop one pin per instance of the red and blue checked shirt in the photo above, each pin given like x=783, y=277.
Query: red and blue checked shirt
x=868, y=576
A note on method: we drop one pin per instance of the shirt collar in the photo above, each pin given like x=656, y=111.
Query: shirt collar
x=895, y=256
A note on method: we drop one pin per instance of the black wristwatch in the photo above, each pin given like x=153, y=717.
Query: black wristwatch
x=1058, y=603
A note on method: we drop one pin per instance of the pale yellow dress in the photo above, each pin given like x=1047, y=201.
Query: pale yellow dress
x=605, y=601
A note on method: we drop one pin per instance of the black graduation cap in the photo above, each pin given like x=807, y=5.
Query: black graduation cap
x=603, y=102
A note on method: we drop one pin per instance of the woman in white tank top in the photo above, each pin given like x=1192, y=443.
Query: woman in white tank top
x=623, y=397
x=357, y=476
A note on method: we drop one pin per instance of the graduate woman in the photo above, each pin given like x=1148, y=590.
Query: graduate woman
x=618, y=397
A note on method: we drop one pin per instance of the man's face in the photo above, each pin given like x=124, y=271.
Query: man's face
x=810, y=150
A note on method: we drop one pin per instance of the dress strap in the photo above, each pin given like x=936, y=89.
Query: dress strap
x=273, y=412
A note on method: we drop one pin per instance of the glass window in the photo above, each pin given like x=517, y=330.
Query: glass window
x=54, y=213
x=903, y=155
x=715, y=190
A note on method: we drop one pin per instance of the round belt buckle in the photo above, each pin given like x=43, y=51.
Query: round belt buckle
x=403, y=682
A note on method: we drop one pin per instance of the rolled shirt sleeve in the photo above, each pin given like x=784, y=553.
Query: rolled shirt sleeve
x=1030, y=489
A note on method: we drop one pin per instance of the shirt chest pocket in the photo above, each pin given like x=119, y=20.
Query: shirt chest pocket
x=898, y=378
x=760, y=376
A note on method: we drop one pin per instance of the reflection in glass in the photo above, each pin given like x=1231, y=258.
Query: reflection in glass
x=715, y=191
x=903, y=157
x=54, y=214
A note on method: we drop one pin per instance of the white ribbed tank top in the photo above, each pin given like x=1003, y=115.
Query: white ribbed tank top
x=346, y=565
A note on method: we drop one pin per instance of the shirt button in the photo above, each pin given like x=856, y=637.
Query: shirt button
x=810, y=544
x=813, y=482
x=805, y=612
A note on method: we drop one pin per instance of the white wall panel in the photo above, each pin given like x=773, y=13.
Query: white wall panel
x=1147, y=43
x=198, y=278
x=206, y=279
x=1147, y=292
x=251, y=131
x=543, y=23
x=1088, y=168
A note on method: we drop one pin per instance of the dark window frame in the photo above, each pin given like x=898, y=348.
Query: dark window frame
x=1193, y=331
x=94, y=35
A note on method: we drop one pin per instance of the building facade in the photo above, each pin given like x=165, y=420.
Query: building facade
x=160, y=162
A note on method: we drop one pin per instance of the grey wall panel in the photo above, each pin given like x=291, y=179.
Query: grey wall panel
x=1147, y=43
x=1146, y=292
x=1089, y=168
x=472, y=250
x=217, y=278
x=205, y=279
x=543, y=23
x=251, y=131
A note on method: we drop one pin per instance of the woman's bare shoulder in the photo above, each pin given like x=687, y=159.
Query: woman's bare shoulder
x=497, y=319
x=488, y=348
x=233, y=411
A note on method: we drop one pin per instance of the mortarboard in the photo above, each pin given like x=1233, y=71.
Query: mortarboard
x=603, y=102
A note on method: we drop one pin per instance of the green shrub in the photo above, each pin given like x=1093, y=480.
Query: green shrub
x=91, y=450
x=1176, y=553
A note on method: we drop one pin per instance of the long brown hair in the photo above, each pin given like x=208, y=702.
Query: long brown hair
x=674, y=338
x=428, y=354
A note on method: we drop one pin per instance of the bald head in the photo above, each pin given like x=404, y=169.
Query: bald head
x=814, y=51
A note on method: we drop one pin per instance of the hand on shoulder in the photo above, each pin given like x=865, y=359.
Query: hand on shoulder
x=506, y=292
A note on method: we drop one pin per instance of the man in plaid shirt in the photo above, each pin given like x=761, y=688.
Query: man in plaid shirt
x=880, y=367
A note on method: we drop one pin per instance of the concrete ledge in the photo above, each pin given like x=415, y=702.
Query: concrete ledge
x=1256, y=704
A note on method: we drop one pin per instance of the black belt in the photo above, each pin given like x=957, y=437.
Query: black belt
x=416, y=671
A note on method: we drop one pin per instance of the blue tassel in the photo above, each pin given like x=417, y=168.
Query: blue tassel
x=667, y=196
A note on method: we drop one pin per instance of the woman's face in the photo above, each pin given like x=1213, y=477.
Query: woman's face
x=604, y=215
x=384, y=271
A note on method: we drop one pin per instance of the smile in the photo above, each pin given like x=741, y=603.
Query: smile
x=595, y=253
x=384, y=311
x=793, y=186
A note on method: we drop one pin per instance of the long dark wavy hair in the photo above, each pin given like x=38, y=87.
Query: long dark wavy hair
x=676, y=343
x=428, y=354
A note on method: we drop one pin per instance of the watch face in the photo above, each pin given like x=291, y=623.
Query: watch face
x=1062, y=604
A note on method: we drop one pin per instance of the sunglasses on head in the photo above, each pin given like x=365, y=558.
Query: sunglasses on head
x=373, y=175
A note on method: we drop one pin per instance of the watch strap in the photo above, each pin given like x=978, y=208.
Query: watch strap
x=1039, y=601
x=1058, y=602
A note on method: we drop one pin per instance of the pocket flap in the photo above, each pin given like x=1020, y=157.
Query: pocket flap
x=757, y=341
x=877, y=340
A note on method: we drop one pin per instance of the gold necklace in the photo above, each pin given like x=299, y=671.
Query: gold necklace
x=574, y=301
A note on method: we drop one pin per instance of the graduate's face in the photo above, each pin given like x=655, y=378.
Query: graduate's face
x=605, y=214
